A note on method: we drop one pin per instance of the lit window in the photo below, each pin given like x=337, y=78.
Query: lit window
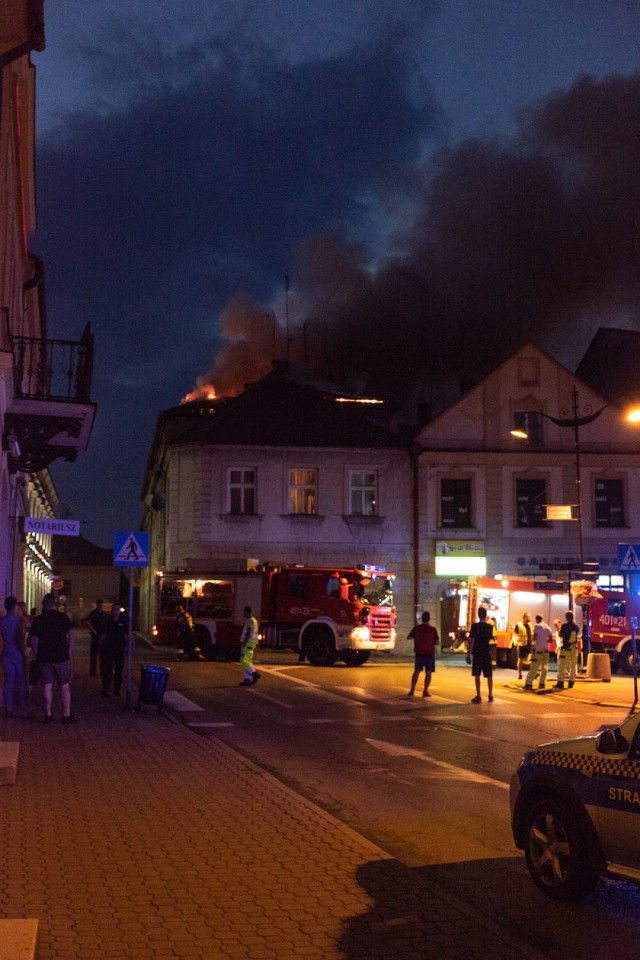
x=303, y=486
x=242, y=491
x=363, y=493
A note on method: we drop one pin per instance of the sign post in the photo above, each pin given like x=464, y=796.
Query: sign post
x=130, y=550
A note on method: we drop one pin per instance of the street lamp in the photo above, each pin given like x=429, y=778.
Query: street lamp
x=574, y=422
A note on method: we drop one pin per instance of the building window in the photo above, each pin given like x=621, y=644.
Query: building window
x=303, y=491
x=531, y=500
x=363, y=493
x=609, y=503
x=528, y=371
x=242, y=491
x=529, y=425
x=455, y=502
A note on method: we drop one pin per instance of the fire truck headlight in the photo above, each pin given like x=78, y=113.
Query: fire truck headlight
x=154, y=630
x=361, y=634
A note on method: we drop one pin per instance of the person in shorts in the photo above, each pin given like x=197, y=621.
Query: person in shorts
x=479, y=655
x=425, y=637
x=51, y=638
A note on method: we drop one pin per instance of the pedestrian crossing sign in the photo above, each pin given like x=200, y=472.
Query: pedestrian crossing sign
x=131, y=549
x=629, y=557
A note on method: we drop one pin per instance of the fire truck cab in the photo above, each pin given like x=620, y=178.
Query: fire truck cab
x=611, y=627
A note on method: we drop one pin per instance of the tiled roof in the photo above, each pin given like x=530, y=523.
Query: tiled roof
x=77, y=551
x=611, y=364
x=276, y=411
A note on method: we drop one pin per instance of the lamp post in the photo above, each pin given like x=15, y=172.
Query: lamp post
x=573, y=422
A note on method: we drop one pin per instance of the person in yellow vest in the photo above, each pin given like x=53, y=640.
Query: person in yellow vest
x=568, y=655
x=249, y=642
x=524, y=638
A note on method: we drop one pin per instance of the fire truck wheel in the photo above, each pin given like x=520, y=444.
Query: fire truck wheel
x=625, y=660
x=355, y=658
x=319, y=647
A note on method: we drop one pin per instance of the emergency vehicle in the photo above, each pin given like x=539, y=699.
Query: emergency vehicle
x=506, y=599
x=611, y=628
x=575, y=810
x=324, y=612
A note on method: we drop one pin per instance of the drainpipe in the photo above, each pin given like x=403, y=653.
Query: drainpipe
x=416, y=450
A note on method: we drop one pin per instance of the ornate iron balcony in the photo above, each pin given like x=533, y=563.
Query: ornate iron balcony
x=53, y=369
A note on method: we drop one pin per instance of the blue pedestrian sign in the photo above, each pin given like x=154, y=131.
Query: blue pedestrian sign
x=131, y=549
x=629, y=557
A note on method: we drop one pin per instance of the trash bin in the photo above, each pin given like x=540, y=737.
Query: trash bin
x=153, y=684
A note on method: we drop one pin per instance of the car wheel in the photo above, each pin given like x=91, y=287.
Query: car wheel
x=556, y=852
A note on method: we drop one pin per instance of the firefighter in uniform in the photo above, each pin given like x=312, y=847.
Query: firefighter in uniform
x=186, y=638
x=524, y=636
x=540, y=655
x=249, y=642
x=568, y=655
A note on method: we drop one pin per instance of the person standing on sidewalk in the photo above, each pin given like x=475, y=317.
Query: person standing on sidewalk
x=540, y=656
x=248, y=644
x=524, y=638
x=479, y=655
x=425, y=637
x=113, y=650
x=13, y=651
x=97, y=621
x=51, y=638
x=568, y=656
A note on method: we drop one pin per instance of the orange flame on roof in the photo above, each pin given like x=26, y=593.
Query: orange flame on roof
x=204, y=391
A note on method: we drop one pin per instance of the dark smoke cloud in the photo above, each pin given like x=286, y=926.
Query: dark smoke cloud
x=537, y=237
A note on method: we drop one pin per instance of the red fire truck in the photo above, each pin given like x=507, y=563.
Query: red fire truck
x=611, y=628
x=506, y=599
x=324, y=612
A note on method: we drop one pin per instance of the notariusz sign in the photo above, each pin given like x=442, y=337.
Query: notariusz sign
x=64, y=528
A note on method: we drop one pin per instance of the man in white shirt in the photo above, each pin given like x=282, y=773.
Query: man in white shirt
x=540, y=655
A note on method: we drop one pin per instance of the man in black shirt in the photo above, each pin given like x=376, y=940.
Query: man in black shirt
x=96, y=620
x=479, y=655
x=51, y=638
x=113, y=651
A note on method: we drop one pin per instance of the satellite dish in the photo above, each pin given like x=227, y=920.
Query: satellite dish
x=158, y=502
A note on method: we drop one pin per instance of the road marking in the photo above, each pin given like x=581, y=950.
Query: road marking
x=176, y=701
x=322, y=720
x=313, y=687
x=207, y=726
x=278, y=703
x=455, y=773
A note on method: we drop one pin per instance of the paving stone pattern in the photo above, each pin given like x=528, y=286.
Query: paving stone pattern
x=129, y=836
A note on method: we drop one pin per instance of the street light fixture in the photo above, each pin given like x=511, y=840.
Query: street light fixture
x=574, y=422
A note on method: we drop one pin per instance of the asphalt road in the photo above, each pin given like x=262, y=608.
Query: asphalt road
x=426, y=779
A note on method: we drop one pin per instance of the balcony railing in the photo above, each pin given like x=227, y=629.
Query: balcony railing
x=53, y=369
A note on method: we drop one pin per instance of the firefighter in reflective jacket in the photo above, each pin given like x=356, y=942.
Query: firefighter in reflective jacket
x=248, y=643
x=568, y=655
x=186, y=637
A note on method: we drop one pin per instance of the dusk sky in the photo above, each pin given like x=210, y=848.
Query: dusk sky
x=439, y=181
